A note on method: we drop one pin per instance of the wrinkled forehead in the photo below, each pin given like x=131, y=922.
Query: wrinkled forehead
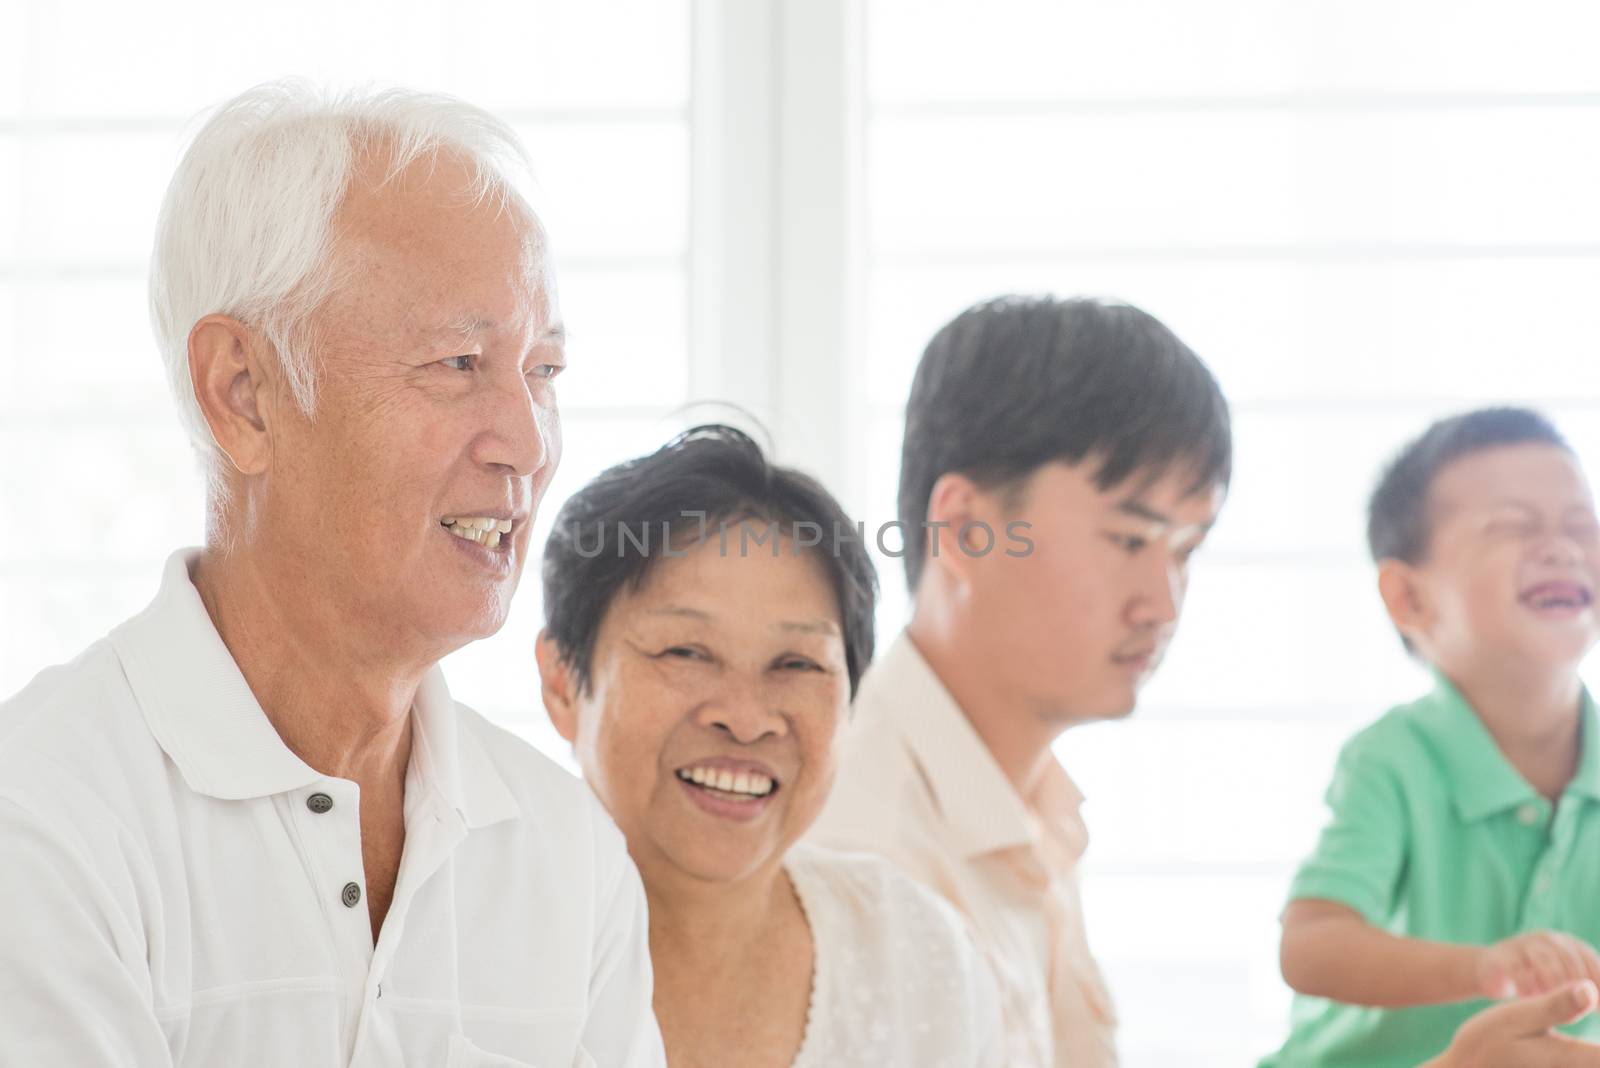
x=421, y=252
x=438, y=209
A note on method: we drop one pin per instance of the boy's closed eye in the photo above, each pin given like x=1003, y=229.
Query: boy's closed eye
x=1511, y=526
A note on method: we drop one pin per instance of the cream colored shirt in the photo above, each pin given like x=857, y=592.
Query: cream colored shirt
x=179, y=889
x=917, y=785
x=896, y=980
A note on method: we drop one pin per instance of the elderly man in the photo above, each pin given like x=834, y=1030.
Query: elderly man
x=250, y=826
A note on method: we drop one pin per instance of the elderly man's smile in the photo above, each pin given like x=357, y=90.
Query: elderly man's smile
x=485, y=530
x=486, y=539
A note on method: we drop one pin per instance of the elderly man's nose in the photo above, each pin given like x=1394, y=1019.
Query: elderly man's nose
x=520, y=432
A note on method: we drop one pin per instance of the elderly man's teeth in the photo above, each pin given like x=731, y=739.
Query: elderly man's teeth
x=743, y=784
x=484, y=530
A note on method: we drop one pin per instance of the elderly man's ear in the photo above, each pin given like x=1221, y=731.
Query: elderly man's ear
x=558, y=685
x=234, y=387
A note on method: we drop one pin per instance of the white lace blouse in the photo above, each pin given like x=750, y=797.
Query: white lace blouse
x=896, y=980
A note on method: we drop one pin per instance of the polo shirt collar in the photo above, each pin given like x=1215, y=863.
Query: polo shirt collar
x=203, y=715
x=982, y=809
x=196, y=701
x=1482, y=780
x=1587, y=780
x=454, y=761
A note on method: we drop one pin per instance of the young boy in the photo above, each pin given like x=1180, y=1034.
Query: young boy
x=1462, y=861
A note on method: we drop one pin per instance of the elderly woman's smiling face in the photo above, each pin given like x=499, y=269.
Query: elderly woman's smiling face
x=718, y=690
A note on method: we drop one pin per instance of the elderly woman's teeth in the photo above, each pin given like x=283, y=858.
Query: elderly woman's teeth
x=744, y=784
x=481, y=529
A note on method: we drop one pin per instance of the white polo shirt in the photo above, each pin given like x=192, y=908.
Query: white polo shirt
x=178, y=888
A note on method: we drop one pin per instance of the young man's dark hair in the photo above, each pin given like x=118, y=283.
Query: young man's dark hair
x=1015, y=382
x=704, y=481
x=1398, y=526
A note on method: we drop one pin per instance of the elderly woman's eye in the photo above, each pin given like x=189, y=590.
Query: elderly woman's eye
x=800, y=663
x=681, y=652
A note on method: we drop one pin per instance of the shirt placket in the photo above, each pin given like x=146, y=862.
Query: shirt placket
x=1541, y=909
x=328, y=815
x=433, y=830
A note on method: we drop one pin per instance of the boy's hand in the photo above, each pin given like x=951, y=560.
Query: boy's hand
x=1519, y=1034
x=1535, y=963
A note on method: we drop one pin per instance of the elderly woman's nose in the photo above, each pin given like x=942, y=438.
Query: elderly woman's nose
x=518, y=429
x=746, y=711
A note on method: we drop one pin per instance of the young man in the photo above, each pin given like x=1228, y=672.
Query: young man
x=1094, y=426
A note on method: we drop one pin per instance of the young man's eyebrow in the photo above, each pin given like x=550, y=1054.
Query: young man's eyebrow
x=1139, y=510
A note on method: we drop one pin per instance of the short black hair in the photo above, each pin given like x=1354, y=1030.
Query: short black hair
x=1016, y=382
x=707, y=475
x=1399, y=516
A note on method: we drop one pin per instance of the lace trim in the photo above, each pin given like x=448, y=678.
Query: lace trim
x=814, y=1009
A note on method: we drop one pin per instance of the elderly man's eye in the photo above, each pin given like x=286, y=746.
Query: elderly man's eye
x=547, y=371
x=459, y=363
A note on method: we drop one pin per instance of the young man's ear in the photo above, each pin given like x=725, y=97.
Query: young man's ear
x=1404, y=597
x=232, y=387
x=558, y=685
x=956, y=502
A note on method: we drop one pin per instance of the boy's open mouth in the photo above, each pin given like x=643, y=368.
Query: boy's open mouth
x=1556, y=595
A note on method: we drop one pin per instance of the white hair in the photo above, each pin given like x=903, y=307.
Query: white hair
x=246, y=229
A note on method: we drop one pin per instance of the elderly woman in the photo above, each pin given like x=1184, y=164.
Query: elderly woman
x=708, y=616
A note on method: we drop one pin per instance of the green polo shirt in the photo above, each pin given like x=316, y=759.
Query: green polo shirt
x=1435, y=835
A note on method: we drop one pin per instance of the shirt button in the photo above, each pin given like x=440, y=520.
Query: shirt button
x=351, y=896
x=319, y=803
x=1528, y=814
